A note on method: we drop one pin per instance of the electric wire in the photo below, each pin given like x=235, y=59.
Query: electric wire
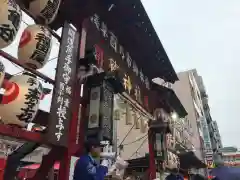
x=135, y=140
x=139, y=147
x=129, y=132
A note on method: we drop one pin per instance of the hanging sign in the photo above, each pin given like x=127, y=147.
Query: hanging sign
x=111, y=56
x=61, y=108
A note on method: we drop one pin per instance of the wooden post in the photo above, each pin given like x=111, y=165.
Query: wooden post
x=152, y=166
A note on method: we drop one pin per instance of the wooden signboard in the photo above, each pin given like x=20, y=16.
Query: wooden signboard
x=61, y=108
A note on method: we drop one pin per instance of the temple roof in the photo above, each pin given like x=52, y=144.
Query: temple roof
x=129, y=21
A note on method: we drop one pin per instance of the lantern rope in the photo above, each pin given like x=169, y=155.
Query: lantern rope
x=129, y=132
x=51, y=59
x=135, y=140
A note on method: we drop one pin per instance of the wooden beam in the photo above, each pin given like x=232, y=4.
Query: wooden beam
x=19, y=133
x=17, y=62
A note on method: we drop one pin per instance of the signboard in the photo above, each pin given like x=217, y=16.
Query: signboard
x=111, y=56
x=210, y=164
x=107, y=112
x=100, y=122
x=61, y=107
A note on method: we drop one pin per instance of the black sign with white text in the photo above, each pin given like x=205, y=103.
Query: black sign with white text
x=61, y=107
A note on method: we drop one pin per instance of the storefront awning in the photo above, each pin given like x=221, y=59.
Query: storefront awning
x=189, y=160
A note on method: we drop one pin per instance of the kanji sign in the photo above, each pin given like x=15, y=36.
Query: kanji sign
x=61, y=108
x=116, y=58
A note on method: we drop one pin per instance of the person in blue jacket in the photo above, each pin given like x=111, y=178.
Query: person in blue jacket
x=88, y=167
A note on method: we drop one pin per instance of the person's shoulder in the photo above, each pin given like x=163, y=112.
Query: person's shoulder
x=84, y=158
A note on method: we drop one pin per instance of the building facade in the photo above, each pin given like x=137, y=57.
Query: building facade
x=215, y=136
x=130, y=130
x=208, y=149
x=230, y=156
x=206, y=137
x=189, y=94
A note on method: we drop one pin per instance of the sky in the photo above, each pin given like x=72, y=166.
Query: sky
x=195, y=34
x=205, y=35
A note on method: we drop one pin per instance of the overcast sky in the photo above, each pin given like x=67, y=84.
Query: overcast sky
x=196, y=34
x=205, y=35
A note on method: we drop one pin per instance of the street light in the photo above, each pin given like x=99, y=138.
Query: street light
x=174, y=116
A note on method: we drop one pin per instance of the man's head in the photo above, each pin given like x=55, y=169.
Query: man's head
x=94, y=147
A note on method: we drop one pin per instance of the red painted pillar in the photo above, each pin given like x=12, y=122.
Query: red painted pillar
x=2, y=166
x=77, y=123
x=152, y=166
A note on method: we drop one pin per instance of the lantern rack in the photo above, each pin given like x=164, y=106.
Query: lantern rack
x=15, y=61
x=33, y=139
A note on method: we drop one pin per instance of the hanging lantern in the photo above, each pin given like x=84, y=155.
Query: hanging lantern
x=10, y=19
x=2, y=73
x=20, y=101
x=35, y=46
x=44, y=10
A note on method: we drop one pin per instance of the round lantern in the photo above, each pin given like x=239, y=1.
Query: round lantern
x=35, y=46
x=21, y=99
x=10, y=19
x=2, y=73
x=44, y=10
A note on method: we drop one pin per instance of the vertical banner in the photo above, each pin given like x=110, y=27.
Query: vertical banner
x=107, y=112
x=61, y=107
x=100, y=122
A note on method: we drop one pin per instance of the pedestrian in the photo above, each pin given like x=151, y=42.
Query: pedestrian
x=88, y=166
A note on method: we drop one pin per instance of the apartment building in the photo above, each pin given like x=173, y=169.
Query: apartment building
x=208, y=149
x=189, y=94
x=215, y=136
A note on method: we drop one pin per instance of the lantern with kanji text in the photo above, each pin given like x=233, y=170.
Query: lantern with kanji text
x=43, y=10
x=35, y=46
x=10, y=19
x=20, y=101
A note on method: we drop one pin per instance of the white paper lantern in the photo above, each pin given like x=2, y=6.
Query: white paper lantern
x=35, y=46
x=45, y=10
x=2, y=73
x=172, y=160
x=21, y=99
x=10, y=19
x=170, y=141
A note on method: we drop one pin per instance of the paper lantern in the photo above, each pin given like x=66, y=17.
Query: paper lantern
x=10, y=19
x=170, y=141
x=2, y=73
x=172, y=160
x=21, y=99
x=35, y=46
x=45, y=10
